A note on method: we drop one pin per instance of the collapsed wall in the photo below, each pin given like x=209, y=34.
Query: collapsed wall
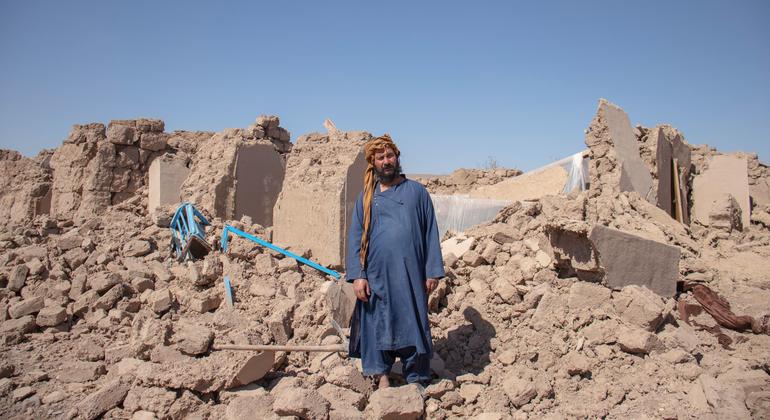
x=96, y=168
x=25, y=186
x=615, y=162
x=239, y=172
x=324, y=176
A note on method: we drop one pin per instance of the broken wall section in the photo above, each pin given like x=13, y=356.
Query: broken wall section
x=25, y=186
x=324, y=175
x=661, y=148
x=615, y=159
x=239, y=172
x=96, y=168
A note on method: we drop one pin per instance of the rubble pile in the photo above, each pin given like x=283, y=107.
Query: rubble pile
x=590, y=304
x=463, y=181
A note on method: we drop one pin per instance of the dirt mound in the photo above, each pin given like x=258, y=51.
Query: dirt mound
x=463, y=181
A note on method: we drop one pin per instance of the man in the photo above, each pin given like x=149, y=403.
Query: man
x=394, y=262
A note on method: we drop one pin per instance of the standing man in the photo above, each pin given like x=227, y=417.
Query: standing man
x=394, y=262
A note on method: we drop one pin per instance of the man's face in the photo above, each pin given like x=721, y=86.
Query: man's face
x=386, y=165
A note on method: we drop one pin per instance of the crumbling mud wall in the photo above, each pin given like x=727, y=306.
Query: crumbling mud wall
x=239, y=172
x=25, y=186
x=615, y=161
x=96, y=168
x=324, y=175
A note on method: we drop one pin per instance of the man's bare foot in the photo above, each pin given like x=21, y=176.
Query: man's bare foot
x=383, y=382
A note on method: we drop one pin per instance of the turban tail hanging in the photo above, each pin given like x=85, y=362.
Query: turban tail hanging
x=370, y=148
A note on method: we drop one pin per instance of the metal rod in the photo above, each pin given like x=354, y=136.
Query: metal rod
x=333, y=348
x=264, y=243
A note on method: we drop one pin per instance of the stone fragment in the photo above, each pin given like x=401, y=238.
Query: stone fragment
x=584, y=295
x=119, y=133
x=507, y=357
x=160, y=300
x=636, y=341
x=436, y=390
x=640, y=307
x=84, y=302
x=36, y=267
x=341, y=398
x=26, y=307
x=725, y=214
x=550, y=311
x=137, y=248
x=341, y=301
x=143, y=415
x=470, y=392
x=254, y=368
x=520, y=391
x=79, y=372
x=51, y=316
x=107, y=397
x=507, y=291
x=22, y=393
x=473, y=259
x=348, y=377
x=108, y=300
x=193, y=339
x=89, y=349
x=300, y=402
x=404, y=402
x=576, y=363
x=280, y=322
x=75, y=257
x=54, y=397
x=6, y=369
x=153, y=141
x=629, y=259
x=265, y=264
x=205, y=302
x=18, y=277
x=103, y=281
x=154, y=399
x=140, y=284
x=251, y=407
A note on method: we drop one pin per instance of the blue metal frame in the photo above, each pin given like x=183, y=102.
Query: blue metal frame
x=264, y=243
x=183, y=226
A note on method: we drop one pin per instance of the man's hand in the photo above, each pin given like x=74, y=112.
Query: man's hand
x=430, y=286
x=361, y=287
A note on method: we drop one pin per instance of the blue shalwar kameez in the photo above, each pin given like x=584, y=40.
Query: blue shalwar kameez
x=404, y=251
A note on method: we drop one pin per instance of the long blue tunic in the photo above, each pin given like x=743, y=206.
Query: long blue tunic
x=404, y=251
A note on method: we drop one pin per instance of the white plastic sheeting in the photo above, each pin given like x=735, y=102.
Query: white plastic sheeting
x=577, y=168
x=459, y=212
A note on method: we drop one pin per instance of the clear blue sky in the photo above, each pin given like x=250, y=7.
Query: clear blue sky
x=453, y=82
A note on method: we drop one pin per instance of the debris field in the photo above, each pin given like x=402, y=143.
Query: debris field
x=646, y=295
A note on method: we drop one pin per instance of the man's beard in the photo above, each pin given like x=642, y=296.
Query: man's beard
x=388, y=177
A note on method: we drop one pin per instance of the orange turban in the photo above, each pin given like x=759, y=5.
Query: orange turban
x=370, y=148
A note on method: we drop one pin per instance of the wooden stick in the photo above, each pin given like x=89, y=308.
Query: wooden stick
x=333, y=348
x=677, y=193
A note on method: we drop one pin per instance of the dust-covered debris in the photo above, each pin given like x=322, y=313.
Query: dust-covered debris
x=98, y=319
